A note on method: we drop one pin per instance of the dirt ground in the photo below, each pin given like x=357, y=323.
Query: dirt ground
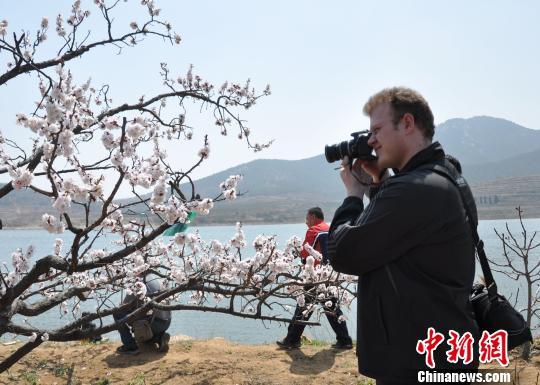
x=191, y=362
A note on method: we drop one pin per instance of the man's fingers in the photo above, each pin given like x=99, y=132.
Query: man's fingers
x=358, y=165
x=345, y=161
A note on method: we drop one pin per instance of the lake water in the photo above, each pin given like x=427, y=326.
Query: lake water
x=208, y=325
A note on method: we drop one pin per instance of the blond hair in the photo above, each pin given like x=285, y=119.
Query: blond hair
x=404, y=100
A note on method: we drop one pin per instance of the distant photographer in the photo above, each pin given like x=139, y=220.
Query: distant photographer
x=150, y=328
x=317, y=237
x=411, y=246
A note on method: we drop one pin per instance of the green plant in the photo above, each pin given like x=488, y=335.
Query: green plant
x=104, y=381
x=139, y=379
x=366, y=381
x=31, y=377
x=42, y=364
x=316, y=343
x=61, y=370
x=185, y=345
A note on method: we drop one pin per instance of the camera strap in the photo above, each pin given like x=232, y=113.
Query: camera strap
x=462, y=186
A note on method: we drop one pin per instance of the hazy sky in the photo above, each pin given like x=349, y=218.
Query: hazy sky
x=322, y=59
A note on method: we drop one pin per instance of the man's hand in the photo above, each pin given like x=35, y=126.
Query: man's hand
x=356, y=180
x=373, y=168
x=363, y=173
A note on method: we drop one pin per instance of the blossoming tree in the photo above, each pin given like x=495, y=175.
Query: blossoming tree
x=70, y=118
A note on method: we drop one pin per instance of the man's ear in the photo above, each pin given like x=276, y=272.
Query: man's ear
x=408, y=122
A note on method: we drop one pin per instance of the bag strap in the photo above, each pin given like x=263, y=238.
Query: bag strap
x=322, y=240
x=461, y=184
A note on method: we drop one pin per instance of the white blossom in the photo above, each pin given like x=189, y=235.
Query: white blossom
x=138, y=289
x=3, y=28
x=216, y=246
x=201, y=207
x=159, y=194
x=110, y=123
x=12, y=278
x=230, y=194
x=20, y=262
x=178, y=275
x=54, y=113
x=62, y=203
x=107, y=138
x=231, y=182
x=312, y=252
x=204, y=152
x=117, y=159
x=21, y=178
x=48, y=149
x=239, y=239
x=58, y=246
x=180, y=238
x=135, y=130
x=52, y=224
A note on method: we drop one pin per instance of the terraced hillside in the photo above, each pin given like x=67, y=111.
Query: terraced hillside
x=499, y=198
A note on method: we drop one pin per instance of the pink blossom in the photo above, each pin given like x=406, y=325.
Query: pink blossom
x=21, y=178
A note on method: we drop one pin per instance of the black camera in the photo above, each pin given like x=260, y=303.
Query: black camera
x=356, y=148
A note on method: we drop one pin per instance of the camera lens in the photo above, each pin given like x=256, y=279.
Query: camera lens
x=356, y=148
x=336, y=152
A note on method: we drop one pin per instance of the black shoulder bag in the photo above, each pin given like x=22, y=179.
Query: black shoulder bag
x=492, y=310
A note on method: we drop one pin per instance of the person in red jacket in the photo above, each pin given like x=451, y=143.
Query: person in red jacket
x=317, y=230
x=316, y=236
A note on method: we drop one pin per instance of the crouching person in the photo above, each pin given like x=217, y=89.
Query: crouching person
x=150, y=328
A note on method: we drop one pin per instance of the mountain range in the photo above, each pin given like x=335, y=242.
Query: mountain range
x=500, y=159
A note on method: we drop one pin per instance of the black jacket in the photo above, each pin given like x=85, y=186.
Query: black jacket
x=413, y=252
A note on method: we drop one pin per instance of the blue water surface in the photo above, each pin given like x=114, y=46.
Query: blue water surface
x=203, y=325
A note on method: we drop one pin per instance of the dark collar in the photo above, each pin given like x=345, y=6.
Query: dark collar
x=431, y=154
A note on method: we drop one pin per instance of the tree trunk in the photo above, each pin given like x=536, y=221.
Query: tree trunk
x=526, y=351
x=19, y=353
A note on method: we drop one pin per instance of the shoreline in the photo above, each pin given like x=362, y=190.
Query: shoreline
x=213, y=361
x=263, y=223
x=194, y=226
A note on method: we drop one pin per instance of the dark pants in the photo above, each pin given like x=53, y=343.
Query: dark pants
x=158, y=326
x=332, y=314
